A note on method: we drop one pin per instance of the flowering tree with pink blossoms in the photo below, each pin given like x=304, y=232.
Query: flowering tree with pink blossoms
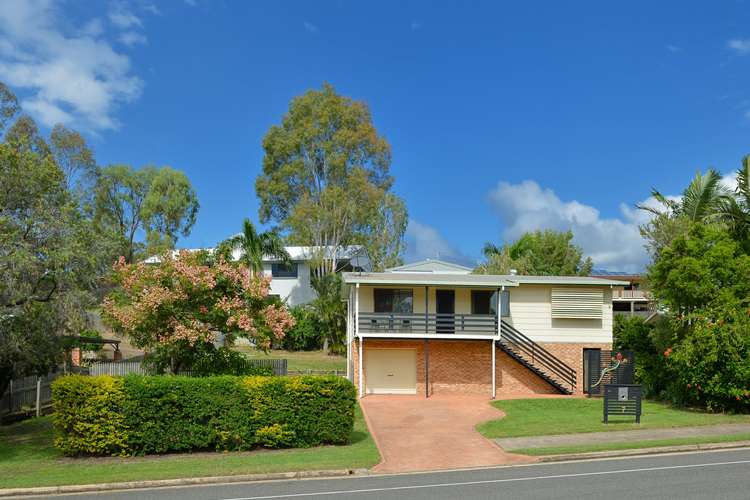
x=177, y=308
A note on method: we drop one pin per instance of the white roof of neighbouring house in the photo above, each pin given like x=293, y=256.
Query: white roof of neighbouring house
x=431, y=266
x=297, y=253
x=468, y=280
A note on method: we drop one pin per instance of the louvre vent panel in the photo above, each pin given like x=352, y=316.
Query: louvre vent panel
x=573, y=303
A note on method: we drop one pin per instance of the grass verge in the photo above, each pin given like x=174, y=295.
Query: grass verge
x=631, y=445
x=540, y=417
x=28, y=459
x=299, y=360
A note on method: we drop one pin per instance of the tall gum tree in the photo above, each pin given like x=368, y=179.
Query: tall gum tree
x=326, y=179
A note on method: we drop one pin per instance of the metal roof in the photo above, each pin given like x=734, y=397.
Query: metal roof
x=480, y=280
x=446, y=279
x=431, y=266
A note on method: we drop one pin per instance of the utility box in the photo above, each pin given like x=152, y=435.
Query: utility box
x=622, y=399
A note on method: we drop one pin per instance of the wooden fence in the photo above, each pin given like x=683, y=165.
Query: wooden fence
x=279, y=367
x=27, y=394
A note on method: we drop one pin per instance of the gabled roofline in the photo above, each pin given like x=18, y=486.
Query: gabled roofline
x=477, y=280
x=406, y=267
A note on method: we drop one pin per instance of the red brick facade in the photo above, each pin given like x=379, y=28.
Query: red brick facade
x=466, y=366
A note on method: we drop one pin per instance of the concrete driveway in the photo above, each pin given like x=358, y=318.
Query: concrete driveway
x=415, y=433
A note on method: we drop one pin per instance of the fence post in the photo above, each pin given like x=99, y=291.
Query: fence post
x=38, y=396
x=10, y=397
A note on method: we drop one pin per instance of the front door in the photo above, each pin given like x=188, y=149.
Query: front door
x=445, y=306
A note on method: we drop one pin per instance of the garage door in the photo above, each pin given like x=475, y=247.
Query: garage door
x=391, y=371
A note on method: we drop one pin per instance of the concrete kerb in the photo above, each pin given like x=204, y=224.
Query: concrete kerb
x=644, y=451
x=192, y=481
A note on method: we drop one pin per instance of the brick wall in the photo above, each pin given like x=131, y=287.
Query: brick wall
x=572, y=355
x=465, y=366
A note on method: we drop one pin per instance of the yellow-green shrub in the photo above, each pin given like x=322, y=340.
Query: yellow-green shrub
x=160, y=414
x=88, y=415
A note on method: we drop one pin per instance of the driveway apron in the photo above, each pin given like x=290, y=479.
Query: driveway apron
x=415, y=433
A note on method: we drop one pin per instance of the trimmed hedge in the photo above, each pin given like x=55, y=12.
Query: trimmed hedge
x=137, y=415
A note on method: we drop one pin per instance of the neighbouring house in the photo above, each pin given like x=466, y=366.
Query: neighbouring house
x=433, y=327
x=632, y=299
x=291, y=282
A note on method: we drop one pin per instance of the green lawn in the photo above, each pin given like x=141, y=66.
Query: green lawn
x=299, y=360
x=27, y=458
x=538, y=417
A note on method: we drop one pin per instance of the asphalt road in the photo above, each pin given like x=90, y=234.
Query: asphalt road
x=705, y=475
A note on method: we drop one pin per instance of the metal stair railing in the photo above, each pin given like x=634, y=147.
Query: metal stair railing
x=537, y=356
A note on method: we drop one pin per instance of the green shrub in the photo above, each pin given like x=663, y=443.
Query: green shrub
x=224, y=361
x=88, y=415
x=711, y=363
x=160, y=414
x=305, y=334
x=648, y=343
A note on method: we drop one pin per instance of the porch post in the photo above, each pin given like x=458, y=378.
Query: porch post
x=360, y=341
x=426, y=308
x=426, y=368
x=356, y=310
x=492, y=345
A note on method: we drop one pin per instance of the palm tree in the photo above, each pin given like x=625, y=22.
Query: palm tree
x=736, y=210
x=704, y=198
x=254, y=246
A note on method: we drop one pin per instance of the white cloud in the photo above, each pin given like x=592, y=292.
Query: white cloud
x=613, y=243
x=131, y=38
x=740, y=45
x=425, y=242
x=123, y=18
x=71, y=76
x=310, y=27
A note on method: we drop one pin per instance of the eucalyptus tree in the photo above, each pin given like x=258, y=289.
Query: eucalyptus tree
x=326, y=179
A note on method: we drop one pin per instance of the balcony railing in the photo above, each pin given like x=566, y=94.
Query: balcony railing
x=415, y=323
x=630, y=294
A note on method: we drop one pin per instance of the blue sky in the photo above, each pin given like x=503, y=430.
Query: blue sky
x=503, y=116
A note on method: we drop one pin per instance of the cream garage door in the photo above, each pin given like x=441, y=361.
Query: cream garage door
x=391, y=371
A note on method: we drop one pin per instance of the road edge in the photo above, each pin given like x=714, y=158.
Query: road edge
x=644, y=451
x=190, y=481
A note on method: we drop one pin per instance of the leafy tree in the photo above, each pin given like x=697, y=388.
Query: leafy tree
x=8, y=106
x=705, y=199
x=253, y=246
x=24, y=135
x=51, y=260
x=542, y=253
x=159, y=202
x=73, y=156
x=177, y=308
x=326, y=178
x=330, y=309
x=710, y=366
x=648, y=342
x=699, y=267
x=383, y=237
x=305, y=335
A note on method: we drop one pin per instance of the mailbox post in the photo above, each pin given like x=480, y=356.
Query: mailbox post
x=622, y=399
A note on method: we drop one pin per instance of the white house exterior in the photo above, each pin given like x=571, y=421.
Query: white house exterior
x=434, y=327
x=291, y=283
